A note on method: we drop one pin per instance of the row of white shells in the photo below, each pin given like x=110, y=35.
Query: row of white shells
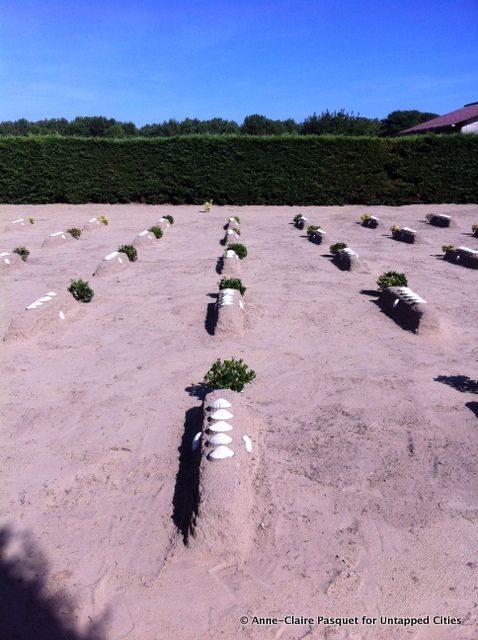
x=409, y=295
x=228, y=297
x=43, y=300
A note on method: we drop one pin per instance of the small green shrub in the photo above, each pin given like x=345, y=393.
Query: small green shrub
x=392, y=279
x=22, y=252
x=239, y=249
x=232, y=283
x=297, y=218
x=81, y=290
x=365, y=216
x=338, y=246
x=130, y=251
x=229, y=374
x=394, y=228
x=31, y=220
x=447, y=247
x=169, y=218
x=312, y=229
x=474, y=228
x=103, y=219
x=156, y=231
x=74, y=232
x=207, y=206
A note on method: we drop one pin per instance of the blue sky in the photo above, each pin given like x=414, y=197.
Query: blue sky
x=146, y=61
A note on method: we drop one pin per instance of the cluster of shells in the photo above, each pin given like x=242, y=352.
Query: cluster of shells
x=39, y=302
x=229, y=297
x=219, y=432
x=409, y=296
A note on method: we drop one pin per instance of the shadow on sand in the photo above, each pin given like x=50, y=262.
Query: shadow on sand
x=460, y=383
x=28, y=608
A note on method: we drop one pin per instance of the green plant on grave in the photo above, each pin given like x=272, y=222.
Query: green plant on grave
x=338, y=246
x=81, y=290
x=229, y=374
x=103, y=219
x=22, y=252
x=394, y=228
x=474, y=228
x=130, y=251
x=169, y=218
x=312, y=229
x=207, y=206
x=31, y=220
x=365, y=217
x=296, y=218
x=156, y=231
x=232, y=283
x=447, y=247
x=239, y=249
x=74, y=232
x=392, y=279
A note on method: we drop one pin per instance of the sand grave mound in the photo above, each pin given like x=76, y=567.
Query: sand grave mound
x=347, y=260
x=371, y=223
x=231, y=237
x=93, y=224
x=231, y=265
x=464, y=256
x=45, y=314
x=17, y=225
x=405, y=234
x=317, y=236
x=229, y=456
x=9, y=261
x=230, y=313
x=144, y=239
x=409, y=310
x=438, y=219
x=301, y=223
x=112, y=263
x=57, y=239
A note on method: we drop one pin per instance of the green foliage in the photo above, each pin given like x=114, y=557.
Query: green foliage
x=394, y=228
x=157, y=232
x=232, y=283
x=280, y=170
x=74, y=232
x=229, y=374
x=474, y=228
x=296, y=218
x=239, y=249
x=81, y=290
x=365, y=217
x=22, y=252
x=207, y=206
x=130, y=251
x=169, y=218
x=312, y=229
x=237, y=219
x=103, y=219
x=392, y=279
x=338, y=246
x=447, y=247
x=31, y=220
x=397, y=121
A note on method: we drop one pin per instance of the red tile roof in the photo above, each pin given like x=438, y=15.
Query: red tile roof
x=469, y=112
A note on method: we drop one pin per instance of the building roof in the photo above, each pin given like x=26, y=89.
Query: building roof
x=461, y=116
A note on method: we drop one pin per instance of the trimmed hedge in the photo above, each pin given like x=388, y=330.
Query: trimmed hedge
x=293, y=170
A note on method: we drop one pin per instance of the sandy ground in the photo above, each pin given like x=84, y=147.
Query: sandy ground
x=365, y=496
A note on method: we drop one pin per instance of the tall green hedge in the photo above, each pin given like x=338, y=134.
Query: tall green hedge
x=293, y=170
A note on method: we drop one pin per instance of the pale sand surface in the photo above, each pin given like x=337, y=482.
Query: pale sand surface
x=365, y=498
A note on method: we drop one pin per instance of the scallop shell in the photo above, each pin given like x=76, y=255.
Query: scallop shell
x=219, y=438
x=221, y=403
x=196, y=441
x=221, y=453
x=61, y=315
x=220, y=427
x=248, y=443
x=221, y=414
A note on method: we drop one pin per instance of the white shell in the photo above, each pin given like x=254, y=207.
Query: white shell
x=51, y=293
x=61, y=315
x=220, y=427
x=231, y=254
x=143, y=233
x=44, y=299
x=6, y=260
x=94, y=220
x=110, y=256
x=16, y=221
x=248, y=443
x=221, y=453
x=222, y=414
x=226, y=303
x=241, y=304
x=5, y=253
x=230, y=291
x=219, y=438
x=221, y=403
x=57, y=233
x=120, y=260
x=34, y=305
x=196, y=441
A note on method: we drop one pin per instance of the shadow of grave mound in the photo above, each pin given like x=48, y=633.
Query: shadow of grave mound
x=473, y=406
x=186, y=489
x=30, y=608
x=460, y=383
x=408, y=310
